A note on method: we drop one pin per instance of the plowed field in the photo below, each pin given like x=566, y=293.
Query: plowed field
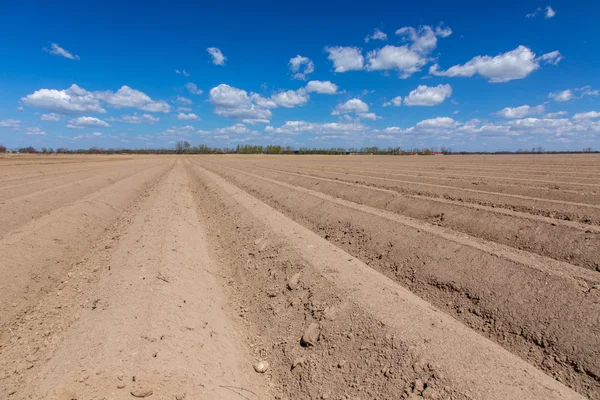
x=353, y=277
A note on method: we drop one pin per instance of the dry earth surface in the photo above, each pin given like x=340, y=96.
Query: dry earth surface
x=300, y=277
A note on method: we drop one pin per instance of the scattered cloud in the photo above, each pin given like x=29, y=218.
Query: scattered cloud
x=182, y=100
x=236, y=129
x=439, y=122
x=514, y=64
x=187, y=117
x=52, y=117
x=81, y=122
x=127, y=97
x=291, y=98
x=34, y=131
x=235, y=103
x=321, y=87
x=301, y=67
x=587, y=115
x=10, y=123
x=184, y=109
x=217, y=56
x=177, y=132
x=330, y=128
x=520, y=112
x=428, y=95
x=56, y=50
x=193, y=89
x=548, y=13
x=354, y=106
x=74, y=100
x=577, y=93
x=182, y=72
x=396, y=101
x=345, y=58
x=377, y=35
x=137, y=119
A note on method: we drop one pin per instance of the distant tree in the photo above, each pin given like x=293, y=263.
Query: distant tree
x=586, y=150
x=182, y=146
x=2, y=149
x=29, y=149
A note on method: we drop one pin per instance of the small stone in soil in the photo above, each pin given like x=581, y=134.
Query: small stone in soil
x=261, y=367
x=311, y=335
x=141, y=393
x=298, y=361
x=293, y=282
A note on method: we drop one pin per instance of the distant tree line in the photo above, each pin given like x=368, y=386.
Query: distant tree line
x=185, y=147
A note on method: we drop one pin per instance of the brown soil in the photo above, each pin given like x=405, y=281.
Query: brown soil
x=352, y=277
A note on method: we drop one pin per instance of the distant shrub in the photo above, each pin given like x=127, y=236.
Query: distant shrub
x=2, y=149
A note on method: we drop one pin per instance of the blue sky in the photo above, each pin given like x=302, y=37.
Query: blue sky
x=468, y=75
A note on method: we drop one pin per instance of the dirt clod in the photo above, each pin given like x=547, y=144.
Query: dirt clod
x=311, y=335
x=261, y=367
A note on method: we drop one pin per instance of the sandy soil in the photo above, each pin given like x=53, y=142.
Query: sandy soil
x=352, y=277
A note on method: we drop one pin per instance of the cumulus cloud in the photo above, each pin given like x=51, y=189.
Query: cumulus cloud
x=514, y=64
x=428, y=95
x=396, y=101
x=193, y=89
x=52, y=117
x=82, y=122
x=354, y=106
x=56, y=50
x=10, y=123
x=330, y=128
x=439, y=122
x=577, y=93
x=345, y=58
x=263, y=101
x=291, y=98
x=409, y=58
x=127, y=97
x=301, y=66
x=177, y=132
x=217, y=56
x=548, y=13
x=321, y=87
x=520, y=112
x=587, y=115
x=182, y=100
x=187, y=117
x=236, y=129
x=74, y=100
x=377, y=35
x=137, y=119
x=34, y=131
x=235, y=103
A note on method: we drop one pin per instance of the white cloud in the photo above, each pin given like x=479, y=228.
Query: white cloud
x=587, y=115
x=345, y=58
x=182, y=72
x=576, y=93
x=439, y=122
x=74, y=100
x=401, y=58
x=555, y=114
x=52, y=117
x=562, y=96
x=235, y=103
x=178, y=132
x=10, y=123
x=137, y=119
x=549, y=12
x=369, y=115
x=428, y=95
x=184, y=109
x=396, y=101
x=442, y=31
x=263, y=101
x=377, y=35
x=193, y=89
x=187, y=117
x=520, y=112
x=330, y=128
x=291, y=98
x=322, y=87
x=301, y=66
x=217, y=57
x=424, y=40
x=127, y=97
x=514, y=64
x=96, y=134
x=35, y=131
x=81, y=122
x=56, y=50
x=236, y=129
x=351, y=106
x=182, y=100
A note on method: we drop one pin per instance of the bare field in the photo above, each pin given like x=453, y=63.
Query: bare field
x=170, y=277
